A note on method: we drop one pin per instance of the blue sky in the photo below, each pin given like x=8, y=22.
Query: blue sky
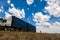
x=22, y=4
x=35, y=7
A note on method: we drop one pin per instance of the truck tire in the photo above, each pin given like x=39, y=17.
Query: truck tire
x=5, y=29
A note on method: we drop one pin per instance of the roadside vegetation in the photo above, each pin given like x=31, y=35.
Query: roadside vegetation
x=15, y=35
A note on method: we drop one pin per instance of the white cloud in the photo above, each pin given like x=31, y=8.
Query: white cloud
x=29, y=2
x=46, y=27
x=7, y=15
x=43, y=25
x=1, y=9
x=53, y=7
x=17, y=12
x=54, y=28
x=39, y=17
x=41, y=21
x=12, y=5
x=50, y=30
x=56, y=24
x=8, y=1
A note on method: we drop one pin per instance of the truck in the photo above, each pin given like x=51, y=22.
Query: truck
x=14, y=23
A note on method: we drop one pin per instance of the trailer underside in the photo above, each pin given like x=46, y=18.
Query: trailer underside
x=13, y=28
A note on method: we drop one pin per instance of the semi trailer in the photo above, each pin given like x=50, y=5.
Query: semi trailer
x=14, y=23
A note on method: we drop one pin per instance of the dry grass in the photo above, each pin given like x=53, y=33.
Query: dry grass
x=15, y=35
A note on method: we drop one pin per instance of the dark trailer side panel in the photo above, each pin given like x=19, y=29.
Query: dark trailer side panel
x=16, y=22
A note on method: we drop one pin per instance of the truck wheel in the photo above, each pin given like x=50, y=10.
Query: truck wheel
x=12, y=29
x=5, y=29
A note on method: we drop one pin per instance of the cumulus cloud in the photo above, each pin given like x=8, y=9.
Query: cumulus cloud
x=29, y=2
x=54, y=28
x=56, y=24
x=39, y=17
x=7, y=15
x=17, y=12
x=53, y=7
x=8, y=1
x=41, y=21
x=1, y=9
x=46, y=27
x=12, y=5
x=43, y=25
